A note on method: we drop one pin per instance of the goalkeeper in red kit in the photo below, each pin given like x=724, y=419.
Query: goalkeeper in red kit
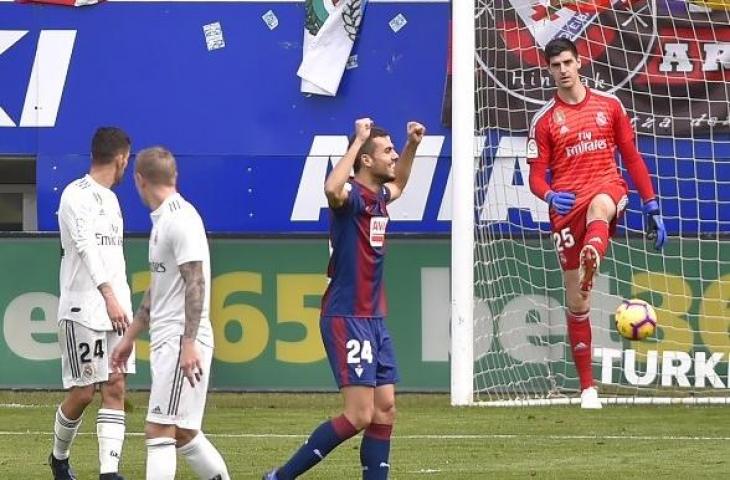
x=574, y=136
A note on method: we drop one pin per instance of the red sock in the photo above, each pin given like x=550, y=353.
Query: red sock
x=579, y=332
x=597, y=235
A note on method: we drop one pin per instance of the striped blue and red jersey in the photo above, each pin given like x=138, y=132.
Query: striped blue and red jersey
x=357, y=239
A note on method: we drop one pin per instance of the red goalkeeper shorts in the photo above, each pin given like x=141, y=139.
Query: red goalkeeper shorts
x=569, y=230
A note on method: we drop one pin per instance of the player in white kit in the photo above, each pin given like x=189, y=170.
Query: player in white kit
x=94, y=306
x=176, y=310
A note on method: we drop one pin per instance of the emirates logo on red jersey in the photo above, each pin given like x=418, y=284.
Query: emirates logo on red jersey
x=586, y=144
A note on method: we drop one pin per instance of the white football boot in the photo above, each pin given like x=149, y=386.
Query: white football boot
x=589, y=399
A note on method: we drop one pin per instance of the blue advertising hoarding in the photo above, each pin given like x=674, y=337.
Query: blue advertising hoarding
x=254, y=151
x=243, y=133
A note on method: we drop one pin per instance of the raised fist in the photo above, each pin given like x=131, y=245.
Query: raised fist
x=362, y=128
x=415, y=132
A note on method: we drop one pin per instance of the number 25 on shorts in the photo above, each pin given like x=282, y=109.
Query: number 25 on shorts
x=563, y=239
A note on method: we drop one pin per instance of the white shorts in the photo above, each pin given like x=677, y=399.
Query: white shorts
x=172, y=400
x=86, y=354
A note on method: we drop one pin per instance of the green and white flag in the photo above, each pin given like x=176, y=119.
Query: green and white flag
x=330, y=30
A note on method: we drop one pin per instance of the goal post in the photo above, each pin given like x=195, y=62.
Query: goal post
x=668, y=61
x=462, y=221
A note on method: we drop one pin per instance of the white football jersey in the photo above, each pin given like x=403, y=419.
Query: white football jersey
x=177, y=237
x=91, y=226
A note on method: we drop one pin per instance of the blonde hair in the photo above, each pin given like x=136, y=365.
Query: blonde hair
x=157, y=165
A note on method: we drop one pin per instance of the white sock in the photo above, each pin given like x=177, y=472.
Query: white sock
x=161, y=459
x=204, y=459
x=110, y=433
x=65, y=431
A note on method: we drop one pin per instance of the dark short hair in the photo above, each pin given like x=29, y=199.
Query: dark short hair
x=108, y=142
x=556, y=46
x=368, y=146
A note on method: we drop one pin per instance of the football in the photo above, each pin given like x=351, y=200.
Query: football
x=635, y=319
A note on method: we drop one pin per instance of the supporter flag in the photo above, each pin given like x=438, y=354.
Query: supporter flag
x=330, y=29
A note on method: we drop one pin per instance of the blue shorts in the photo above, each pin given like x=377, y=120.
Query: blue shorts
x=359, y=350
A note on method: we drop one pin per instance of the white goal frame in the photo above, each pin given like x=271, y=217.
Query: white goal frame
x=462, y=218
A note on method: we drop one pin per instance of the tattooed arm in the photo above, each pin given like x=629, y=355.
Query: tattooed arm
x=192, y=273
x=142, y=317
x=190, y=361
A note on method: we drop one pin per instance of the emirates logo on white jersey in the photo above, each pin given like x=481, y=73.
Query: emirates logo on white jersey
x=377, y=231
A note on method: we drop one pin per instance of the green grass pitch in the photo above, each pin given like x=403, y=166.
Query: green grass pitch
x=431, y=440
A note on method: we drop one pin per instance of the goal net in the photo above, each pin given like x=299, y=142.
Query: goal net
x=669, y=63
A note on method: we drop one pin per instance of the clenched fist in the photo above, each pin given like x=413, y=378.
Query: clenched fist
x=362, y=128
x=415, y=132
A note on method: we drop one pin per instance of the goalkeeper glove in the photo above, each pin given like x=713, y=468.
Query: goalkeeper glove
x=562, y=202
x=655, y=229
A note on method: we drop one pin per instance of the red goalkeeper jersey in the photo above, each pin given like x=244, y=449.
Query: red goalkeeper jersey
x=577, y=143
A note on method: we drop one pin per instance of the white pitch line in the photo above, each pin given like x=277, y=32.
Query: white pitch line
x=495, y=436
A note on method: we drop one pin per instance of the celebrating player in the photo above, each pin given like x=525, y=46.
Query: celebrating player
x=175, y=308
x=94, y=306
x=575, y=135
x=352, y=321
